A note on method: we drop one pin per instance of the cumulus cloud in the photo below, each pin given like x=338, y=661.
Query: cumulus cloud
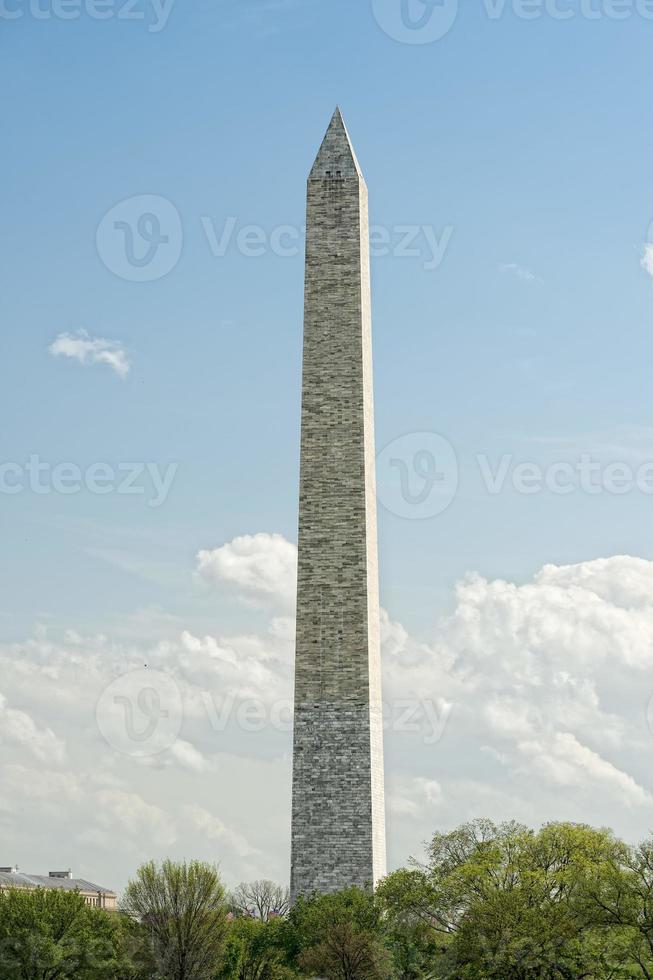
x=89, y=806
x=19, y=728
x=188, y=756
x=131, y=815
x=549, y=682
x=246, y=667
x=91, y=350
x=563, y=760
x=415, y=796
x=261, y=566
x=528, y=701
x=214, y=829
x=101, y=791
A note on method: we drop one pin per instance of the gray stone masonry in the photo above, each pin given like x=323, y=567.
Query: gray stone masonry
x=338, y=817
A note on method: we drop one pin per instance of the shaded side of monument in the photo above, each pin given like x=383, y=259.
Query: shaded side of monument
x=338, y=814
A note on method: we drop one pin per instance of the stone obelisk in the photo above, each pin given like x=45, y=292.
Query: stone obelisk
x=338, y=815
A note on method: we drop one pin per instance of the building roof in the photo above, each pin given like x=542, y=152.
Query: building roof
x=16, y=879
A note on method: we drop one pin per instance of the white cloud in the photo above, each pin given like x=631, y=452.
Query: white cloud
x=549, y=682
x=416, y=797
x=130, y=815
x=246, y=667
x=213, y=828
x=104, y=794
x=568, y=763
x=73, y=803
x=20, y=729
x=262, y=566
x=514, y=269
x=646, y=260
x=28, y=783
x=506, y=716
x=188, y=756
x=91, y=350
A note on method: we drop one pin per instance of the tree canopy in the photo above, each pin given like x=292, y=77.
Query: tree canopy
x=488, y=902
x=183, y=912
x=54, y=935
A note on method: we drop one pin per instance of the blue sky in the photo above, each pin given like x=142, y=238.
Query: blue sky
x=526, y=143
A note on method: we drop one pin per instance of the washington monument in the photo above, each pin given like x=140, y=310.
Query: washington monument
x=338, y=818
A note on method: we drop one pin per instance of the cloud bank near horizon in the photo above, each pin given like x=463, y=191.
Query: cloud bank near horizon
x=529, y=701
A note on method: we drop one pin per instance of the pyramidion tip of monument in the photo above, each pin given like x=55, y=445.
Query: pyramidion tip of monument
x=336, y=156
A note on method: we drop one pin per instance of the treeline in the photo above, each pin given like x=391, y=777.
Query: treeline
x=499, y=902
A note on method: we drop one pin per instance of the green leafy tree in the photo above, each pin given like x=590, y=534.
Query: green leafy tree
x=256, y=950
x=622, y=902
x=340, y=936
x=414, y=949
x=183, y=911
x=54, y=935
x=505, y=902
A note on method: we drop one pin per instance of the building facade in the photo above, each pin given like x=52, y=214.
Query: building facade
x=93, y=895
